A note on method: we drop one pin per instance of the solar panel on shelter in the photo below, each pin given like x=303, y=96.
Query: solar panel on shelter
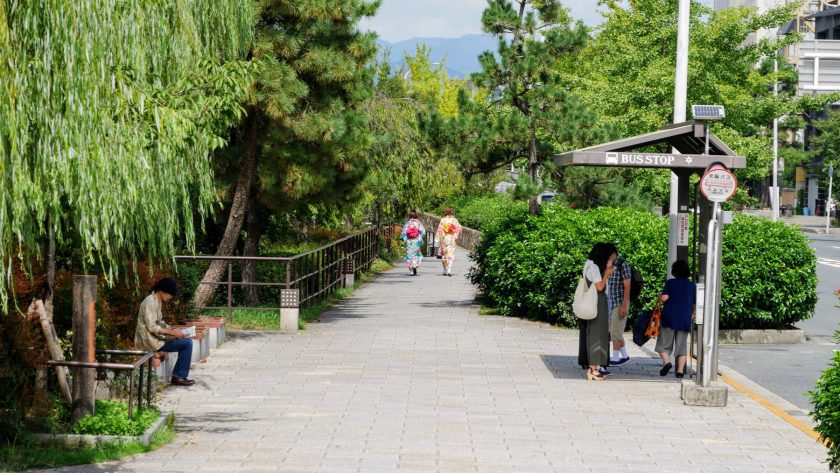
x=708, y=112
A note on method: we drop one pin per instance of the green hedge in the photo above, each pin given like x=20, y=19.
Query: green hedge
x=487, y=212
x=529, y=266
x=769, y=275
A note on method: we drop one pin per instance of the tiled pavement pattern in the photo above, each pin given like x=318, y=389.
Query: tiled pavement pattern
x=405, y=376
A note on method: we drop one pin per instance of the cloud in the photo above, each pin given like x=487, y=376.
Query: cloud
x=398, y=20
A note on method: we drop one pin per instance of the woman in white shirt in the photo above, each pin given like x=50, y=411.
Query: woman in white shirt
x=597, y=270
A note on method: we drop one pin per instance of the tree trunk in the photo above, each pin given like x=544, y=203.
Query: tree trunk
x=533, y=204
x=252, y=248
x=238, y=209
x=49, y=265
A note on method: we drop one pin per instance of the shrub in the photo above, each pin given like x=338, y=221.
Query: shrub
x=486, y=213
x=826, y=414
x=111, y=418
x=530, y=266
x=769, y=275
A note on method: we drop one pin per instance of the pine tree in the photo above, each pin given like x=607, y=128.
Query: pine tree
x=532, y=114
x=304, y=139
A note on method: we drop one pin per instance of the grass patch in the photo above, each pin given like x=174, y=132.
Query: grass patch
x=484, y=310
x=255, y=319
x=111, y=418
x=28, y=454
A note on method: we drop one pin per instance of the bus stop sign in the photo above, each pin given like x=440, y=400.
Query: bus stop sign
x=718, y=184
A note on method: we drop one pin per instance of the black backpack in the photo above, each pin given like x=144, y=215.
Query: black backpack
x=637, y=283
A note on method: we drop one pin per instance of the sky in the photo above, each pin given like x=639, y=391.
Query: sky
x=398, y=20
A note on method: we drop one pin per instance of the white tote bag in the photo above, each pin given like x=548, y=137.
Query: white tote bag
x=585, y=305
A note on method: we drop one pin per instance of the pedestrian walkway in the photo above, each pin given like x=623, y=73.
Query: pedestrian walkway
x=406, y=376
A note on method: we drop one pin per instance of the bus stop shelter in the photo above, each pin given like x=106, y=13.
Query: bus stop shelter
x=691, y=149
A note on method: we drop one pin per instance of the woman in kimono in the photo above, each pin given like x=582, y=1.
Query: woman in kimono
x=447, y=233
x=412, y=235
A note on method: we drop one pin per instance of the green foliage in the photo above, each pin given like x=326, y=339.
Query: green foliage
x=626, y=75
x=111, y=418
x=487, y=213
x=825, y=146
x=530, y=113
x=27, y=455
x=529, y=267
x=313, y=137
x=769, y=275
x=108, y=112
x=826, y=413
x=405, y=171
x=250, y=319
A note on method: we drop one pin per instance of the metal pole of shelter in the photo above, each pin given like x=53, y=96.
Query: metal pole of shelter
x=680, y=102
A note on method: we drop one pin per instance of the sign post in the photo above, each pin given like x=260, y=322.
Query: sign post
x=718, y=185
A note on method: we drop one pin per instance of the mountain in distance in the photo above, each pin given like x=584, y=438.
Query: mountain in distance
x=461, y=54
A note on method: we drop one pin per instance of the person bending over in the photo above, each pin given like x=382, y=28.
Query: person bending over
x=152, y=332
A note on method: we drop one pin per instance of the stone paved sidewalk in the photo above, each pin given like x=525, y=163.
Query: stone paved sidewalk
x=405, y=376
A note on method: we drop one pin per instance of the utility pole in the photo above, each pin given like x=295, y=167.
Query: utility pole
x=774, y=191
x=680, y=101
x=828, y=198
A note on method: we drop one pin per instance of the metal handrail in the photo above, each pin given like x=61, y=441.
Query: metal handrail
x=315, y=273
x=144, y=362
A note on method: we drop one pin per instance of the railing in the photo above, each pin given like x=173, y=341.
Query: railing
x=143, y=362
x=313, y=275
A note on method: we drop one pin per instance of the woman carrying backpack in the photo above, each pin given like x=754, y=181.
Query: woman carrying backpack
x=412, y=235
x=447, y=233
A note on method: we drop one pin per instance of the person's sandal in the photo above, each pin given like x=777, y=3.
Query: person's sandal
x=679, y=375
x=665, y=369
x=594, y=376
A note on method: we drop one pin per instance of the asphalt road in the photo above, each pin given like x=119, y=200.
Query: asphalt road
x=790, y=371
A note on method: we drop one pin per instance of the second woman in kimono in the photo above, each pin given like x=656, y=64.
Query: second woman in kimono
x=447, y=233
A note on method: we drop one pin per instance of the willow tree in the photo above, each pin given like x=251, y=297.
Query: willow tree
x=305, y=138
x=108, y=113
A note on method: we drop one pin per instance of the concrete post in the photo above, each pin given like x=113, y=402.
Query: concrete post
x=348, y=270
x=84, y=345
x=289, y=310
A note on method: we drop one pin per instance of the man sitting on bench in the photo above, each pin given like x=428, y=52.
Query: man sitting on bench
x=153, y=334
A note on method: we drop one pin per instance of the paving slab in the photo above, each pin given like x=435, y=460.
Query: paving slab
x=406, y=376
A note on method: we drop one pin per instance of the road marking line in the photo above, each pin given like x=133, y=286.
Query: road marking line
x=829, y=262
x=775, y=410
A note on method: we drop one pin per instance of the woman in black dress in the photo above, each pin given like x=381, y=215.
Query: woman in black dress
x=595, y=335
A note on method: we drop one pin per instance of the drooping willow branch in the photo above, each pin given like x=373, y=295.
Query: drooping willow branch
x=108, y=113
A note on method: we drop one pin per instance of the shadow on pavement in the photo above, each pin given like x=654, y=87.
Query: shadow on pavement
x=637, y=369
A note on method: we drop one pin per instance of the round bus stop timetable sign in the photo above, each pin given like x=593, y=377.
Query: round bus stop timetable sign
x=718, y=184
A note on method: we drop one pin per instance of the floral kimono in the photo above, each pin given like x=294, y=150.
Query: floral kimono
x=413, y=228
x=447, y=233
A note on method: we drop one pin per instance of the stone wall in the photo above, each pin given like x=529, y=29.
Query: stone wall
x=469, y=236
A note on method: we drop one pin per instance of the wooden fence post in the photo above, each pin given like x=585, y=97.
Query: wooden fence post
x=84, y=345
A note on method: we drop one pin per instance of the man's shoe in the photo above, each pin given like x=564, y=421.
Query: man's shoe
x=181, y=382
x=620, y=361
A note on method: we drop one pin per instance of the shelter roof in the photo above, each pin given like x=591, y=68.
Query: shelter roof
x=688, y=138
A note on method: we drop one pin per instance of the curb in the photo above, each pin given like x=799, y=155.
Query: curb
x=786, y=410
x=762, y=337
